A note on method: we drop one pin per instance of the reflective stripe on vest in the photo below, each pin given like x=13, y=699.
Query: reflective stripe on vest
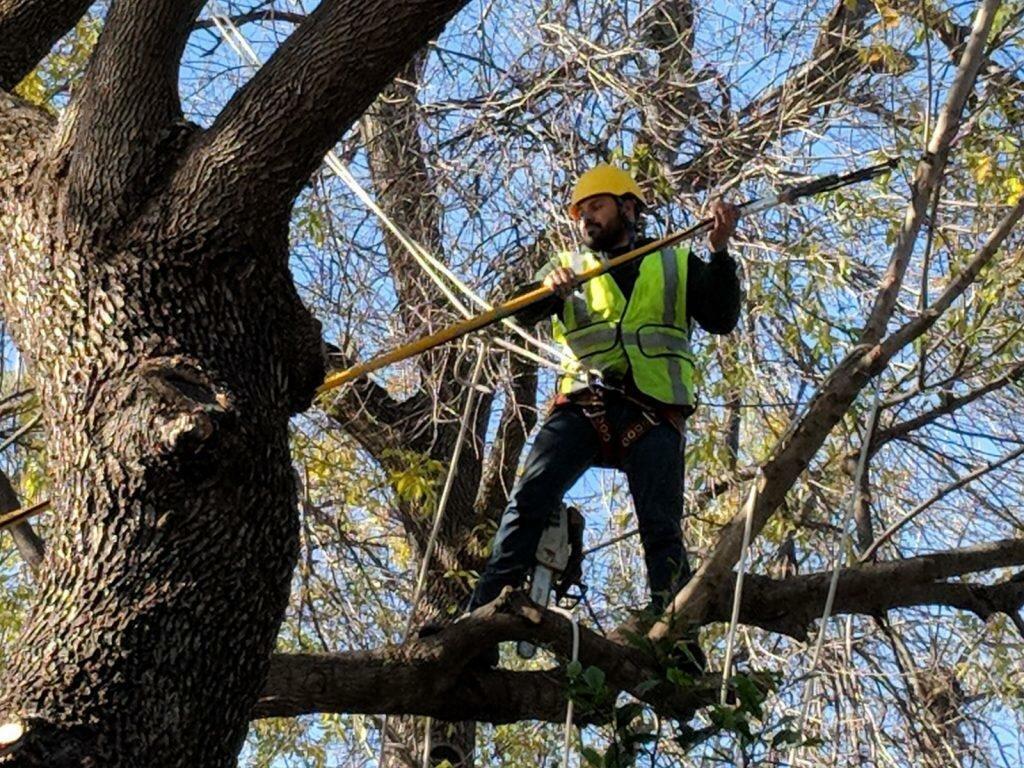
x=649, y=333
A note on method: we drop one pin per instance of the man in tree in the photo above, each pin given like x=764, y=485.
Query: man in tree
x=624, y=398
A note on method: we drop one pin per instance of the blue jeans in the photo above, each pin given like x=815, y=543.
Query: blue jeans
x=566, y=446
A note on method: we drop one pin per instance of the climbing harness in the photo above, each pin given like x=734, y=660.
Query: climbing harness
x=614, y=443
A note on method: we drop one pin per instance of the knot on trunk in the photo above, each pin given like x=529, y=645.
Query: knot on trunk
x=195, y=408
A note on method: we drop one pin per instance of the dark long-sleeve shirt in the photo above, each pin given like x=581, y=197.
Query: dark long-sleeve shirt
x=712, y=291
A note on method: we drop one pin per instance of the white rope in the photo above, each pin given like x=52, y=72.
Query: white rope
x=430, y=264
x=737, y=595
x=428, y=552
x=237, y=41
x=567, y=730
x=428, y=746
x=833, y=585
x=449, y=481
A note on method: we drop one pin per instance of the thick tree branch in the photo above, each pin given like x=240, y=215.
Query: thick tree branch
x=125, y=109
x=29, y=29
x=429, y=677
x=275, y=131
x=380, y=423
x=873, y=597
x=791, y=605
x=796, y=449
x=379, y=683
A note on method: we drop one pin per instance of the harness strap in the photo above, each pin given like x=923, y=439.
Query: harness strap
x=606, y=442
x=614, y=448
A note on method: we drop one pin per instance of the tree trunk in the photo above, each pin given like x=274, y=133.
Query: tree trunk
x=168, y=352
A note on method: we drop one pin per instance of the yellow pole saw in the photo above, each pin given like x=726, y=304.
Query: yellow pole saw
x=511, y=307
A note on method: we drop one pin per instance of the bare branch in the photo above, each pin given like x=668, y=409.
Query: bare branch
x=270, y=15
x=914, y=328
x=405, y=191
x=29, y=29
x=949, y=405
x=517, y=420
x=782, y=109
x=938, y=495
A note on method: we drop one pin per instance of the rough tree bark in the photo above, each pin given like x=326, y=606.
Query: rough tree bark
x=144, y=277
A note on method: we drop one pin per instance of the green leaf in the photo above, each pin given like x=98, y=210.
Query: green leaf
x=594, y=678
x=628, y=712
x=785, y=738
x=676, y=676
x=751, y=697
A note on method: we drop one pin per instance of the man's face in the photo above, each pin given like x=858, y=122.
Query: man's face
x=601, y=227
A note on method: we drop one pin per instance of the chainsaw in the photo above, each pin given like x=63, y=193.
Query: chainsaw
x=559, y=565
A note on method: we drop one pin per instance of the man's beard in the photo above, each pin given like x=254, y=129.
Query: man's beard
x=605, y=238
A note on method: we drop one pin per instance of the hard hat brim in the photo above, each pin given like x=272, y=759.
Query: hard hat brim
x=574, y=208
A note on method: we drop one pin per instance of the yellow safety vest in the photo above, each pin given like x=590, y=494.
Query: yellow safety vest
x=648, y=334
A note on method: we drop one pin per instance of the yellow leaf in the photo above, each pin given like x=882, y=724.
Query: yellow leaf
x=890, y=17
x=401, y=553
x=32, y=89
x=983, y=168
x=1014, y=189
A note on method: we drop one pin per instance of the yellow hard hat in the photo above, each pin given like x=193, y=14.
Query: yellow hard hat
x=603, y=179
